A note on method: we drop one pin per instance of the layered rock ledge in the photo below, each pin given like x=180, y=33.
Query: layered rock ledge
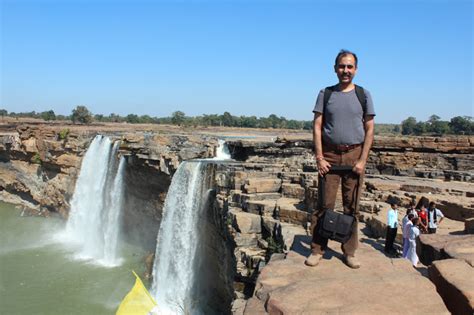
x=264, y=199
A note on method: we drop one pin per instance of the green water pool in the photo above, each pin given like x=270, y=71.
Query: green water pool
x=39, y=275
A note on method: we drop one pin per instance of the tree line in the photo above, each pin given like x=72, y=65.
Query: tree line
x=459, y=125
x=81, y=114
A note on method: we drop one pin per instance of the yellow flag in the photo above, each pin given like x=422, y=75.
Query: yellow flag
x=138, y=301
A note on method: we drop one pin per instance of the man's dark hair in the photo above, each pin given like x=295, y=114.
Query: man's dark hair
x=411, y=216
x=345, y=52
x=432, y=205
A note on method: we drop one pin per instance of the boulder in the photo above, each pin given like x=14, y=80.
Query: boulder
x=459, y=209
x=246, y=240
x=247, y=222
x=260, y=206
x=68, y=160
x=430, y=247
x=293, y=191
x=462, y=249
x=290, y=211
x=29, y=145
x=454, y=282
x=262, y=185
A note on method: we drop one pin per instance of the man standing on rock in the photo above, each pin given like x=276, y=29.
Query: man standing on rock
x=343, y=132
x=433, y=215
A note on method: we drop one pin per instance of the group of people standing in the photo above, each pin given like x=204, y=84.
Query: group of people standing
x=421, y=218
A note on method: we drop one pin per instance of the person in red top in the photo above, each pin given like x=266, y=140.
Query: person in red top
x=423, y=215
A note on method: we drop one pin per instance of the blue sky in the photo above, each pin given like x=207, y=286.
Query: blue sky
x=245, y=57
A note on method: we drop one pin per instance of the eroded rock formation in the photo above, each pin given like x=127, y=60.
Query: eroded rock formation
x=263, y=200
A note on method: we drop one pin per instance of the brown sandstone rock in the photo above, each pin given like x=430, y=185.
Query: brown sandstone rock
x=454, y=281
x=290, y=211
x=293, y=191
x=469, y=226
x=462, y=249
x=260, y=207
x=247, y=222
x=254, y=185
x=29, y=145
x=430, y=247
x=68, y=160
x=289, y=287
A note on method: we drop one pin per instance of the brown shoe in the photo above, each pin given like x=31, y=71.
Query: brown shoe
x=313, y=260
x=352, y=262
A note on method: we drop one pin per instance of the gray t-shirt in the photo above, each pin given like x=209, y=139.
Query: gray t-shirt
x=344, y=121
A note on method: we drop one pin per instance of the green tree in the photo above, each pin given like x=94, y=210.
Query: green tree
x=227, y=119
x=308, y=125
x=48, y=115
x=420, y=128
x=146, y=119
x=115, y=118
x=81, y=114
x=3, y=113
x=408, y=126
x=178, y=118
x=440, y=127
x=249, y=122
x=99, y=117
x=462, y=125
x=132, y=119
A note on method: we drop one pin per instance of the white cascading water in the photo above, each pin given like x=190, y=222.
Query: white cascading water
x=173, y=269
x=222, y=151
x=93, y=222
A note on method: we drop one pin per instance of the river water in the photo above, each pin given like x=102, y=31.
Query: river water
x=39, y=274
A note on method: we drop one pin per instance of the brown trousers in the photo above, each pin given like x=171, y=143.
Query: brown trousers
x=350, y=192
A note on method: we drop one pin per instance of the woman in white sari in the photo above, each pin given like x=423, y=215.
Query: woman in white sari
x=413, y=234
x=406, y=227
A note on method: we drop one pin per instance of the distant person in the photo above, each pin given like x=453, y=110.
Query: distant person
x=392, y=226
x=406, y=226
x=423, y=216
x=413, y=234
x=343, y=132
x=433, y=215
x=412, y=208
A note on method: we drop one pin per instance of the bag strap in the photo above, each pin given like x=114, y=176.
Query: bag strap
x=362, y=98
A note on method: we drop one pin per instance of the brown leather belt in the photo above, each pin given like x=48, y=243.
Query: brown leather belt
x=341, y=147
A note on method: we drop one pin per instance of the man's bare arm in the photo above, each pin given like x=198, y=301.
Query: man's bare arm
x=323, y=165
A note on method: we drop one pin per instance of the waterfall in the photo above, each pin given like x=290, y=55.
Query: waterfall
x=222, y=151
x=173, y=270
x=96, y=204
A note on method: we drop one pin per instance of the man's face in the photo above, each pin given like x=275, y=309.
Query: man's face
x=346, y=69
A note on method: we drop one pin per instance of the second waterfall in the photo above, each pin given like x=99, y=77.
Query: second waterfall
x=174, y=269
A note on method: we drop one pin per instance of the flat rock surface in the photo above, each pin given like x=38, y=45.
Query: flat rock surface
x=454, y=280
x=462, y=249
x=289, y=287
